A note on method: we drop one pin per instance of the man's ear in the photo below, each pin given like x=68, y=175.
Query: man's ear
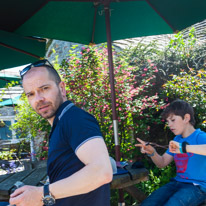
x=62, y=86
x=187, y=118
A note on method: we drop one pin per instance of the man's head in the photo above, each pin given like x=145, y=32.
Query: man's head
x=45, y=63
x=179, y=108
x=43, y=88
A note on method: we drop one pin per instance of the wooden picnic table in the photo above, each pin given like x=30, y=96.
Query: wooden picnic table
x=28, y=177
x=128, y=181
x=35, y=176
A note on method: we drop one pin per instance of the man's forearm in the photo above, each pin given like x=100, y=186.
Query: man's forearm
x=85, y=180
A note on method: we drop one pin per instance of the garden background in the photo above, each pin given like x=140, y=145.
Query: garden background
x=147, y=79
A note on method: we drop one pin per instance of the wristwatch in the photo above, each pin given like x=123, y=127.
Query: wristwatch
x=48, y=199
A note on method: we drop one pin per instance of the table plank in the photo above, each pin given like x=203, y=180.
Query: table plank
x=4, y=177
x=136, y=193
x=8, y=183
x=126, y=180
x=36, y=176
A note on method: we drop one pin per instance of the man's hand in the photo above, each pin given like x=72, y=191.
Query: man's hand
x=27, y=196
x=174, y=147
x=148, y=149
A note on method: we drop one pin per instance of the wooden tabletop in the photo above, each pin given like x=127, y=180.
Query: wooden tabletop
x=28, y=177
x=128, y=181
x=35, y=176
x=132, y=177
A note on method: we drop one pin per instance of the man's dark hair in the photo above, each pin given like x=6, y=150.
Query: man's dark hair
x=179, y=108
x=53, y=74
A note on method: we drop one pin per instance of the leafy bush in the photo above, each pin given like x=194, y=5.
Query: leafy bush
x=87, y=85
x=157, y=177
x=191, y=87
x=182, y=53
x=30, y=125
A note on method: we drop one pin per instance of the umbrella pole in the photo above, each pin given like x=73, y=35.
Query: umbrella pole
x=111, y=76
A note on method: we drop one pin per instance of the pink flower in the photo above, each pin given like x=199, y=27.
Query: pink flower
x=45, y=148
x=145, y=69
x=143, y=75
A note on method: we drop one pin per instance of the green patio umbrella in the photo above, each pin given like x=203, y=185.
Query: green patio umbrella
x=10, y=101
x=89, y=21
x=5, y=79
x=16, y=50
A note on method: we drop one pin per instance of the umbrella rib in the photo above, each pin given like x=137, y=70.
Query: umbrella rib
x=94, y=22
x=41, y=6
x=161, y=15
x=20, y=50
x=97, y=1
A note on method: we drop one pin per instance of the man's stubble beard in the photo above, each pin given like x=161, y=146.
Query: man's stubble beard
x=58, y=101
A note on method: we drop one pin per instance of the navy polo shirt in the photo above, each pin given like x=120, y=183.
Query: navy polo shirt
x=72, y=127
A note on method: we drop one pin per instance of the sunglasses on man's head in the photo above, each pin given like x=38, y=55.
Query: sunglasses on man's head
x=39, y=63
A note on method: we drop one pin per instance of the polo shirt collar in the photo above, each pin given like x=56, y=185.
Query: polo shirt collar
x=58, y=113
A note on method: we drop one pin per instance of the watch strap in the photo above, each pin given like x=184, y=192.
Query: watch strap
x=184, y=144
x=46, y=190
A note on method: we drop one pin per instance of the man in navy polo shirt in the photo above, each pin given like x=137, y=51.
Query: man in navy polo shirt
x=78, y=167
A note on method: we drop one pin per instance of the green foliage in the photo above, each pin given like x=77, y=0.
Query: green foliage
x=157, y=177
x=182, y=53
x=87, y=84
x=29, y=123
x=191, y=87
x=139, y=54
x=7, y=155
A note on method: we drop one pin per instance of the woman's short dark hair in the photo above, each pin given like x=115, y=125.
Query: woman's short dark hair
x=180, y=108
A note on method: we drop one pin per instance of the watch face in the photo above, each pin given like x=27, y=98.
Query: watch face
x=48, y=200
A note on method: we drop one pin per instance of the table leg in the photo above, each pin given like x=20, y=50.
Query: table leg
x=136, y=193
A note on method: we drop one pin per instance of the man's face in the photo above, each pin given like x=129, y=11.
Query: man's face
x=43, y=94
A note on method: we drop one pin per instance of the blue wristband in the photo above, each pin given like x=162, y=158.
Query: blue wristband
x=151, y=155
x=180, y=147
